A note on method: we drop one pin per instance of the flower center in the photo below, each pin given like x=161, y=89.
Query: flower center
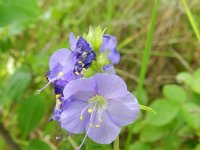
x=100, y=101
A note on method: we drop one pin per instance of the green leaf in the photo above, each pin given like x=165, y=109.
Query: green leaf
x=16, y=85
x=174, y=92
x=139, y=146
x=196, y=84
x=171, y=142
x=184, y=77
x=197, y=147
x=38, y=145
x=197, y=73
x=30, y=113
x=196, y=81
x=147, y=109
x=190, y=112
x=15, y=11
x=166, y=112
x=151, y=133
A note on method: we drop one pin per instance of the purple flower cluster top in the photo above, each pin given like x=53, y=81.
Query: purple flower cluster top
x=90, y=97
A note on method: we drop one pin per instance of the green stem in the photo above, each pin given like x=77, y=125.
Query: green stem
x=191, y=19
x=144, y=65
x=72, y=142
x=116, y=144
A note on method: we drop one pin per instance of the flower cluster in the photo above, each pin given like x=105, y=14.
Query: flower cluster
x=90, y=97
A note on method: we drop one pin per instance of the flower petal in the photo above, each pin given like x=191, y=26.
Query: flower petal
x=81, y=89
x=109, y=69
x=129, y=110
x=109, y=43
x=110, y=85
x=61, y=56
x=114, y=56
x=106, y=133
x=72, y=41
x=70, y=117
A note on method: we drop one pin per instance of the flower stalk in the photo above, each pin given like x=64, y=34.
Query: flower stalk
x=116, y=144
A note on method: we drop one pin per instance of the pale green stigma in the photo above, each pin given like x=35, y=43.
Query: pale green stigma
x=99, y=100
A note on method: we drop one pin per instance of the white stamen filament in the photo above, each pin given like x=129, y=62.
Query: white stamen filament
x=81, y=116
x=60, y=74
x=90, y=124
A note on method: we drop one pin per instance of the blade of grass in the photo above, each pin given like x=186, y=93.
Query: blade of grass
x=147, y=50
x=145, y=60
x=191, y=19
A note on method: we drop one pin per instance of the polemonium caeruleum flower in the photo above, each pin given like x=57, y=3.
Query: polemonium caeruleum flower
x=92, y=106
x=61, y=66
x=109, y=44
x=83, y=52
x=66, y=65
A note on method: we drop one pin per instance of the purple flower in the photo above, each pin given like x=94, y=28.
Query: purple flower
x=109, y=43
x=83, y=52
x=61, y=65
x=100, y=106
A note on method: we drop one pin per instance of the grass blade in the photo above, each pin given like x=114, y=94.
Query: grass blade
x=145, y=60
x=191, y=19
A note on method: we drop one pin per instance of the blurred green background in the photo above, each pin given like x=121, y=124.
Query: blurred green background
x=31, y=30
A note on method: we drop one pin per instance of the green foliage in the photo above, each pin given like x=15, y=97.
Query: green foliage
x=177, y=120
x=16, y=85
x=31, y=30
x=30, y=114
x=190, y=112
x=175, y=93
x=139, y=146
x=166, y=112
x=16, y=11
x=37, y=145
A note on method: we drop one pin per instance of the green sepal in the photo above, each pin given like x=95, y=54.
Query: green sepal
x=102, y=59
x=147, y=109
x=88, y=73
x=95, y=37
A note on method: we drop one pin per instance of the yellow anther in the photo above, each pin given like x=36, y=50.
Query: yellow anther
x=90, y=110
x=76, y=73
x=91, y=125
x=58, y=102
x=98, y=125
x=57, y=106
x=58, y=95
x=100, y=120
x=81, y=117
x=60, y=74
x=80, y=62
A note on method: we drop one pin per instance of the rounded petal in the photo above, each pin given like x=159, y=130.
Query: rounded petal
x=106, y=133
x=61, y=56
x=70, y=117
x=109, y=43
x=129, y=110
x=81, y=89
x=114, y=56
x=110, y=85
